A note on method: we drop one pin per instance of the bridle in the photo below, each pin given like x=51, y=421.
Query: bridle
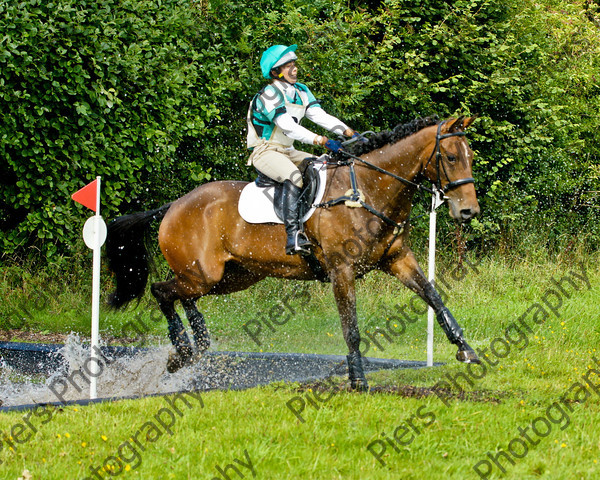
x=438, y=160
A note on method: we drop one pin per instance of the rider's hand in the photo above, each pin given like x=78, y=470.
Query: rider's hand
x=333, y=145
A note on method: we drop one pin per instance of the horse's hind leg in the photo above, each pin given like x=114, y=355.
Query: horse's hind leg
x=408, y=271
x=165, y=294
x=196, y=319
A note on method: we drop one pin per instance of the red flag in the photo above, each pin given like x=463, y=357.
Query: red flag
x=87, y=195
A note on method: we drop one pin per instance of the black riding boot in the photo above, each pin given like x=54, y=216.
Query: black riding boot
x=296, y=240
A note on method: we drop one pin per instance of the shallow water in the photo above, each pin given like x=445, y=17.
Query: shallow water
x=144, y=372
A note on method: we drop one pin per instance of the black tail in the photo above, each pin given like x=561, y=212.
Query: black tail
x=127, y=254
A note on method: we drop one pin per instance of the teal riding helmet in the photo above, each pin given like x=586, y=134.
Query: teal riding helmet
x=276, y=56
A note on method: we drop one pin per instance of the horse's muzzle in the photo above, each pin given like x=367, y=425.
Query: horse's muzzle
x=467, y=214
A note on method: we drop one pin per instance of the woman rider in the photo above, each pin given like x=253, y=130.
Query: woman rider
x=273, y=125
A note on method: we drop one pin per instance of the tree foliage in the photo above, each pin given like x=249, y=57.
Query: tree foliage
x=152, y=95
x=92, y=88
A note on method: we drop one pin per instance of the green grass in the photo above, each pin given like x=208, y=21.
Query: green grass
x=332, y=441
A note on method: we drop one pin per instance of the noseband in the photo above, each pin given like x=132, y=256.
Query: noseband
x=440, y=165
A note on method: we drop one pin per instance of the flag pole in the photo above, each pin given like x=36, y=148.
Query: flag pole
x=436, y=200
x=94, y=360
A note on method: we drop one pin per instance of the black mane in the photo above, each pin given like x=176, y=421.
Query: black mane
x=386, y=137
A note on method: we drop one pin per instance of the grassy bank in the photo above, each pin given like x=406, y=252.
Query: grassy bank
x=533, y=381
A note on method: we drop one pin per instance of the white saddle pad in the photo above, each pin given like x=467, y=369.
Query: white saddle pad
x=256, y=203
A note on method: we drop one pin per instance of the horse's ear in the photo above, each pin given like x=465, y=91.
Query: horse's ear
x=457, y=125
x=469, y=121
x=461, y=123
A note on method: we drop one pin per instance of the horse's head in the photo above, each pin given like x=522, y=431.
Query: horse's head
x=448, y=165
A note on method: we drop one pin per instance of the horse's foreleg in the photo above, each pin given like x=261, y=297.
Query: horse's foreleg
x=345, y=297
x=408, y=271
x=165, y=295
x=196, y=319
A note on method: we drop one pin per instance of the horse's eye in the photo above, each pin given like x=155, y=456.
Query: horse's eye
x=451, y=158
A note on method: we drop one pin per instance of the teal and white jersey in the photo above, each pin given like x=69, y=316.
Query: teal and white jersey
x=271, y=101
x=276, y=111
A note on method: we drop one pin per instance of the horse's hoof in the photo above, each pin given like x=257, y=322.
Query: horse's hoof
x=467, y=356
x=177, y=361
x=174, y=362
x=359, y=385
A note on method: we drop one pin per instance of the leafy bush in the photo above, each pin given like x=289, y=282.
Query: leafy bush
x=92, y=88
x=153, y=96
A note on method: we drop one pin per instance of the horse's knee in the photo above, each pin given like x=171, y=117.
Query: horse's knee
x=353, y=343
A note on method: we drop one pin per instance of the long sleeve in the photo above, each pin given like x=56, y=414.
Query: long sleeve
x=294, y=130
x=319, y=116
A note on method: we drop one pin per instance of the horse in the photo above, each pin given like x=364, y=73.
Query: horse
x=211, y=250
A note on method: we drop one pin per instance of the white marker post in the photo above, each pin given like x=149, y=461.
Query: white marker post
x=94, y=235
x=436, y=200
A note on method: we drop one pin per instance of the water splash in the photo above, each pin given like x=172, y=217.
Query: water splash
x=143, y=373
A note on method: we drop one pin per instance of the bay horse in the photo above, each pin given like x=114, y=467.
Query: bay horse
x=211, y=250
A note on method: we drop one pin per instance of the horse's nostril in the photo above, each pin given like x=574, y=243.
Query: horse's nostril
x=466, y=213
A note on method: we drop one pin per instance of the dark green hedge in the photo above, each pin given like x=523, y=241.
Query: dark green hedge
x=152, y=96
x=93, y=88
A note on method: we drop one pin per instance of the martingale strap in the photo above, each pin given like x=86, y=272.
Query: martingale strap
x=355, y=197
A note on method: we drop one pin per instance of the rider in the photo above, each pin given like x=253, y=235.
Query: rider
x=273, y=125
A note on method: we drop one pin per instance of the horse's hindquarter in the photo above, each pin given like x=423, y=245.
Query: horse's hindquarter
x=203, y=230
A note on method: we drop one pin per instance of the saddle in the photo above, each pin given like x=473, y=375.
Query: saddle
x=261, y=200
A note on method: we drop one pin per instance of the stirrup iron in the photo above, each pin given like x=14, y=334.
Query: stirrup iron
x=300, y=244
